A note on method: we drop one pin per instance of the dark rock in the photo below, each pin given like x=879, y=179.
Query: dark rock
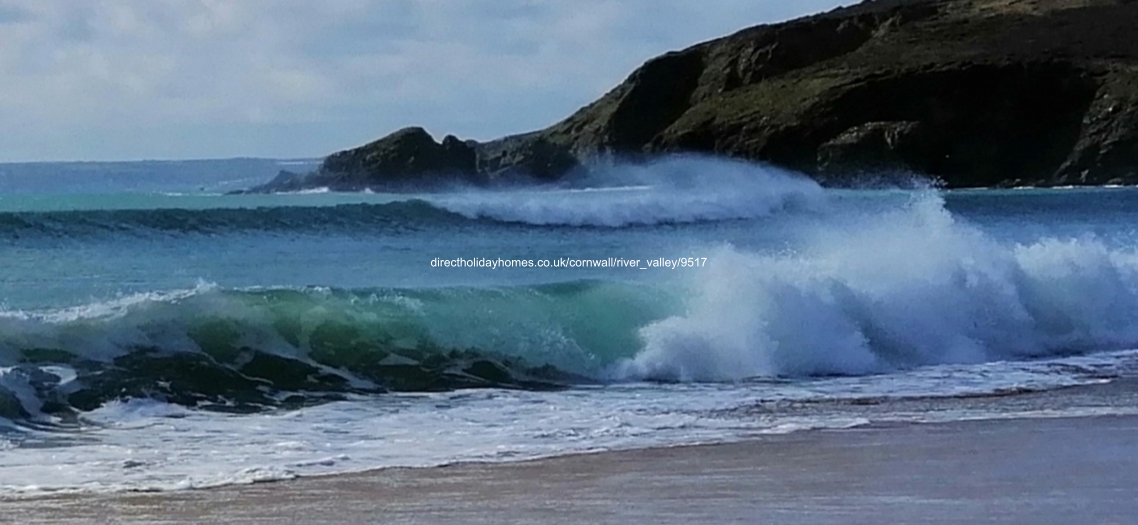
x=990, y=104
x=991, y=91
x=187, y=379
x=196, y=380
x=290, y=374
x=490, y=371
x=10, y=406
x=406, y=155
x=45, y=355
x=974, y=92
x=875, y=147
x=32, y=381
x=407, y=159
x=524, y=158
x=1107, y=147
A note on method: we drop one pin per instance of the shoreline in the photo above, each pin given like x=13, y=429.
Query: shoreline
x=1060, y=470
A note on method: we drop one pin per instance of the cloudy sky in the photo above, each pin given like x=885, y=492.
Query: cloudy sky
x=172, y=79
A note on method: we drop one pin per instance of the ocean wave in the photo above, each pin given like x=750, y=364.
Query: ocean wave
x=672, y=191
x=901, y=289
x=244, y=350
x=861, y=294
x=400, y=215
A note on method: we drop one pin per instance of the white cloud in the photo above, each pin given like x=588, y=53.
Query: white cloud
x=87, y=79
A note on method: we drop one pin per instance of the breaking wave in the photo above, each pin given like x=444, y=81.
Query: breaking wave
x=671, y=191
x=901, y=289
x=861, y=293
x=678, y=190
x=244, y=350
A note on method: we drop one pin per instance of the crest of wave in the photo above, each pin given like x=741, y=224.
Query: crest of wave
x=678, y=189
x=907, y=288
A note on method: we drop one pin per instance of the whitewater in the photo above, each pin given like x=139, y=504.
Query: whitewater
x=164, y=335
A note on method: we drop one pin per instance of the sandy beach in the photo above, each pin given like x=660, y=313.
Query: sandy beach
x=1036, y=471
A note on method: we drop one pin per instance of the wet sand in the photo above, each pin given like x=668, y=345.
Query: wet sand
x=1043, y=471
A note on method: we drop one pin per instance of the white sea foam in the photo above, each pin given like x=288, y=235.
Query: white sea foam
x=674, y=190
x=861, y=293
x=907, y=288
x=312, y=191
x=148, y=445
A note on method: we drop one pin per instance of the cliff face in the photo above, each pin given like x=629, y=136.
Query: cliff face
x=975, y=92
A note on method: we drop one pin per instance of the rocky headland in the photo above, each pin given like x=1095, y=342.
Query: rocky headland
x=971, y=92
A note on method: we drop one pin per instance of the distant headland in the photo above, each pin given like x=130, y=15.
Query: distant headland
x=972, y=92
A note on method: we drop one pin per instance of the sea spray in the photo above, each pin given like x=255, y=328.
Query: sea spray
x=671, y=190
x=858, y=293
x=902, y=289
x=329, y=323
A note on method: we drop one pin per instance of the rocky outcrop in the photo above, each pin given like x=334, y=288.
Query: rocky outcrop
x=408, y=158
x=526, y=156
x=974, y=92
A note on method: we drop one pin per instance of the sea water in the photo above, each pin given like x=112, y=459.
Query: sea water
x=158, y=334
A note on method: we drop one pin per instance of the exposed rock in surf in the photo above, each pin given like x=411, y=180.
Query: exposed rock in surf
x=243, y=380
x=975, y=92
x=10, y=406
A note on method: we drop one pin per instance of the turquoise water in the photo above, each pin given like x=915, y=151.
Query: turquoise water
x=134, y=296
x=66, y=250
